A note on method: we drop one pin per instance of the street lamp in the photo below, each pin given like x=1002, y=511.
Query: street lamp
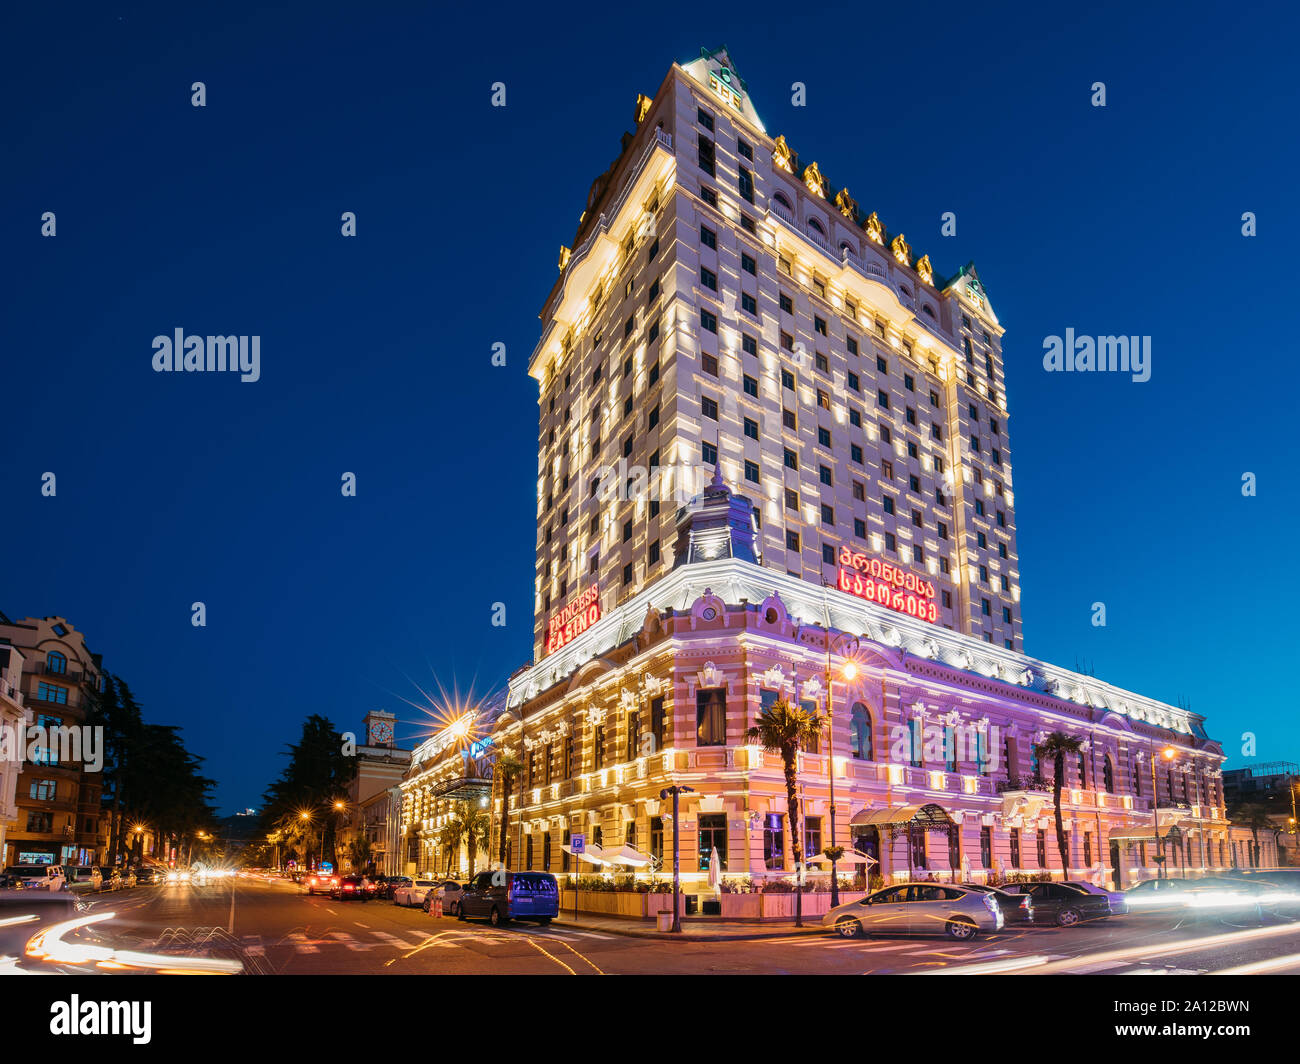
x=1168, y=754
x=850, y=673
x=676, y=792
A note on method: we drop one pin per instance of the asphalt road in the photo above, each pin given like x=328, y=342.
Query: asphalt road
x=274, y=929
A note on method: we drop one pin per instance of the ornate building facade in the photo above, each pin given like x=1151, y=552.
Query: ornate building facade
x=773, y=463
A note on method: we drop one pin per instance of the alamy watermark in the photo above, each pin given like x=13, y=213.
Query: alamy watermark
x=179, y=353
x=1098, y=354
x=62, y=744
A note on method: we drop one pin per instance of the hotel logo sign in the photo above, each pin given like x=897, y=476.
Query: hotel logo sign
x=886, y=585
x=724, y=85
x=574, y=619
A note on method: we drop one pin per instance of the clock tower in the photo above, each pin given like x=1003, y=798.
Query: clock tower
x=379, y=727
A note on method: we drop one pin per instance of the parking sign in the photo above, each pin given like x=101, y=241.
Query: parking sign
x=577, y=843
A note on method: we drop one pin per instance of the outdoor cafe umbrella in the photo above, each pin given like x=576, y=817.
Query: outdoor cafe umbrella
x=715, y=871
x=965, y=866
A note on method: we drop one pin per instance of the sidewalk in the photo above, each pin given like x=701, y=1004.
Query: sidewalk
x=694, y=929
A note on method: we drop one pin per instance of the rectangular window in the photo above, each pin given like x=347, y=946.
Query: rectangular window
x=708, y=279
x=986, y=847
x=706, y=156
x=749, y=345
x=812, y=836
x=711, y=717
x=751, y=428
x=774, y=842
x=657, y=838
x=1015, y=847
x=708, y=237
x=713, y=836
x=658, y=723
x=748, y=263
x=745, y=185
x=751, y=386
x=709, y=408
x=749, y=304
x=751, y=471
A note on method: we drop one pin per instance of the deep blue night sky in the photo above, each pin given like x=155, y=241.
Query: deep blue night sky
x=375, y=350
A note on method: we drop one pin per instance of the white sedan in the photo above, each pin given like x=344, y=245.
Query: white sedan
x=448, y=892
x=413, y=893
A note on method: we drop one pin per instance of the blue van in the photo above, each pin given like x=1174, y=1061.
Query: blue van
x=516, y=896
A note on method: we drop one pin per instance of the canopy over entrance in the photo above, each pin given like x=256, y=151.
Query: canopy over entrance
x=905, y=818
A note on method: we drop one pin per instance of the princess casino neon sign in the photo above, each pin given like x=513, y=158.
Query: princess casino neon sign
x=886, y=585
x=575, y=618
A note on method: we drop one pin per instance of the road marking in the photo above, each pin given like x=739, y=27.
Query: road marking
x=360, y=924
x=301, y=943
x=394, y=940
x=1100, y=966
x=352, y=943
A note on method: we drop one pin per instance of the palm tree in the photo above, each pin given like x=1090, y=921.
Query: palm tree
x=451, y=836
x=1256, y=818
x=507, y=767
x=478, y=825
x=1056, y=746
x=783, y=728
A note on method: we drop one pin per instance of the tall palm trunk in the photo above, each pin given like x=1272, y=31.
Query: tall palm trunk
x=790, y=757
x=1061, y=845
x=505, y=820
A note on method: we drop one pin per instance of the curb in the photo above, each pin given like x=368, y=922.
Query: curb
x=688, y=936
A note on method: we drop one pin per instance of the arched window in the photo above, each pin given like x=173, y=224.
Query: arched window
x=1137, y=780
x=814, y=224
x=905, y=290
x=1083, y=770
x=860, y=733
x=780, y=198
x=1108, y=776
x=56, y=663
x=928, y=309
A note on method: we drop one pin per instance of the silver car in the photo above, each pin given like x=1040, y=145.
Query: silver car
x=918, y=909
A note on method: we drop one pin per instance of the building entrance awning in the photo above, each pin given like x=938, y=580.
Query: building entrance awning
x=899, y=818
x=592, y=854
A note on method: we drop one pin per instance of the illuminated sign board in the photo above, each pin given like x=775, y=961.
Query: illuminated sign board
x=886, y=585
x=574, y=619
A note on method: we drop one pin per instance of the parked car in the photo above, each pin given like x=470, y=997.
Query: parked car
x=517, y=896
x=49, y=877
x=1016, y=908
x=387, y=886
x=447, y=892
x=1117, y=898
x=352, y=888
x=319, y=883
x=957, y=911
x=1061, y=904
x=413, y=891
x=85, y=877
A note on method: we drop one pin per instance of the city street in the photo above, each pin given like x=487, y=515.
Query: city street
x=275, y=929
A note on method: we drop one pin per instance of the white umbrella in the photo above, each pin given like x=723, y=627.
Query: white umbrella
x=1002, y=866
x=965, y=866
x=715, y=870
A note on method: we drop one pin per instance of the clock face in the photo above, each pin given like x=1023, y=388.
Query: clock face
x=381, y=732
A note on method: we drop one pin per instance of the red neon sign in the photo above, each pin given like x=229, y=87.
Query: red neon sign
x=574, y=619
x=887, y=585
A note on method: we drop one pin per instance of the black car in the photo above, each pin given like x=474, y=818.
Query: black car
x=352, y=888
x=1016, y=908
x=1060, y=903
x=147, y=875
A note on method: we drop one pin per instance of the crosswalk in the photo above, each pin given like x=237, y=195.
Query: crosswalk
x=367, y=940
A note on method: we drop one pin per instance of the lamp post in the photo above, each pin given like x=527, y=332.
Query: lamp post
x=676, y=791
x=1168, y=754
x=850, y=673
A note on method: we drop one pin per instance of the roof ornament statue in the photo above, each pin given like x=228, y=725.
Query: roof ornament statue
x=847, y=204
x=782, y=156
x=901, y=249
x=875, y=228
x=812, y=177
x=924, y=270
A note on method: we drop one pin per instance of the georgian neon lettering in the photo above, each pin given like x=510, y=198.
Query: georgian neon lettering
x=887, y=585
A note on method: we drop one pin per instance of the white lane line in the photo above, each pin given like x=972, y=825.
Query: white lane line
x=360, y=924
x=351, y=943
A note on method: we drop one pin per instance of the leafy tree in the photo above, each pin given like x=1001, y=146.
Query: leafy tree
x=783, y=728
x=317, y=775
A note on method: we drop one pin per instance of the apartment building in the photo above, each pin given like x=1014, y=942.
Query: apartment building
x=58, y=800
